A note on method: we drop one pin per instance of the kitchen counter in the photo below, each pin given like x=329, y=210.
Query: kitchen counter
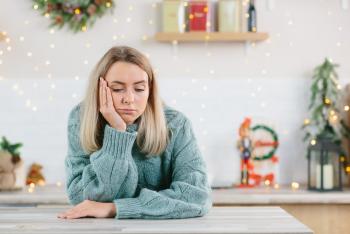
x=219, y=220
x=52, y=194
x=283, y=195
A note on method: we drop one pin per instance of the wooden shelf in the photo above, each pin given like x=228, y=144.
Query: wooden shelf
x=211, y=36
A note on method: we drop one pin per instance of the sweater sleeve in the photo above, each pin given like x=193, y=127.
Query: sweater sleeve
x=104, y=175
x=189, y=194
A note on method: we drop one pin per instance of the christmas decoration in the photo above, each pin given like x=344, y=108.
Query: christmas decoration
x=245, y=147
x=325, y=115
x=35, y=175
x=77, y=14
x=9, y=161
x=257, y=145
x=346, y=117
x=324, y=164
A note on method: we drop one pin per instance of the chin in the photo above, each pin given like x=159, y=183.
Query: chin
x=128, y=121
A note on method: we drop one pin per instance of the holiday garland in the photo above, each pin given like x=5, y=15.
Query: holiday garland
x=77, y=14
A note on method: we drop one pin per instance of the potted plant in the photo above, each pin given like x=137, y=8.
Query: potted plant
x=11, y=165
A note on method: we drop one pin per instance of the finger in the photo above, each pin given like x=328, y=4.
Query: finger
x=72, y=214
x=82, y=212
x=75, y=209
x=67, y=211
x=75, y=215
x=103, y=93
x=109, y=97
x=106, y=94
x=100, y=91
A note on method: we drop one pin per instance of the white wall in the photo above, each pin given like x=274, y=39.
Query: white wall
x=215, y=84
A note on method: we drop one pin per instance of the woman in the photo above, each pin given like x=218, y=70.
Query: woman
x=130, y=156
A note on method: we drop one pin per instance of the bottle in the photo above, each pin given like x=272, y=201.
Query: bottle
x=252, y=17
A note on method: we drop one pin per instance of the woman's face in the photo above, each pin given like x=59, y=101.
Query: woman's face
x=130, y=90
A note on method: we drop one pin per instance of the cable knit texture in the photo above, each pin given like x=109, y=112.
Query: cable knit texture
x=171, y=185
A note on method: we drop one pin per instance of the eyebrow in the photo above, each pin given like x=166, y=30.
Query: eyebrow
x=137, y=82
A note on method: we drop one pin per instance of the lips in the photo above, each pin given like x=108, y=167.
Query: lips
x=127, y=111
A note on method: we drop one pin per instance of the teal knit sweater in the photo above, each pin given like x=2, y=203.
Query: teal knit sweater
x=171, y=185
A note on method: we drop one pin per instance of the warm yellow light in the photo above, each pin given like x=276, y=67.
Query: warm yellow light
x=306, y=121
x=327, y=101
x=207, y=37
x=36, y=6
x=108, y=4
x=276, y=186
x=77, y=11
x=313, y=142
x=346, y=108
x=267, y=182
x=205, y=9
x=47, y=15
x=30, y=190
x=83, y=28
x=191, y=16
x=58, y=184
x=295, y=185
x=41, y=182
x=332, y=112
x=342, y=159
x=31, y=185
x=334, y=117
x=347, y=169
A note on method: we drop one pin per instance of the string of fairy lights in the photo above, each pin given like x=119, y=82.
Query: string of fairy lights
x=9, y=45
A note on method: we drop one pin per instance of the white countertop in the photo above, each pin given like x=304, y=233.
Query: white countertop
x=219, y=220
x=283, y=195
x=51, y=194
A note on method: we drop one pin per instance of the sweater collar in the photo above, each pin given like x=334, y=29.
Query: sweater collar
x=132, y=127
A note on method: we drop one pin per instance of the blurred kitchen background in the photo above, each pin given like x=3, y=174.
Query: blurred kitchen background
x=44, y=72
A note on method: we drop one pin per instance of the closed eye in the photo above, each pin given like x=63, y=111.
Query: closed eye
x=117, y=90
x=120, y=90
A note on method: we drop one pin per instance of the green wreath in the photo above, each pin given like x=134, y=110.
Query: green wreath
x=274, y=143
x=77, y=14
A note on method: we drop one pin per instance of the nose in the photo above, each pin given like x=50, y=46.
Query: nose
x=128, y=97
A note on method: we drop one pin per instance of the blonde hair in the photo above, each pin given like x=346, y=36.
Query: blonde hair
x=152, y=137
